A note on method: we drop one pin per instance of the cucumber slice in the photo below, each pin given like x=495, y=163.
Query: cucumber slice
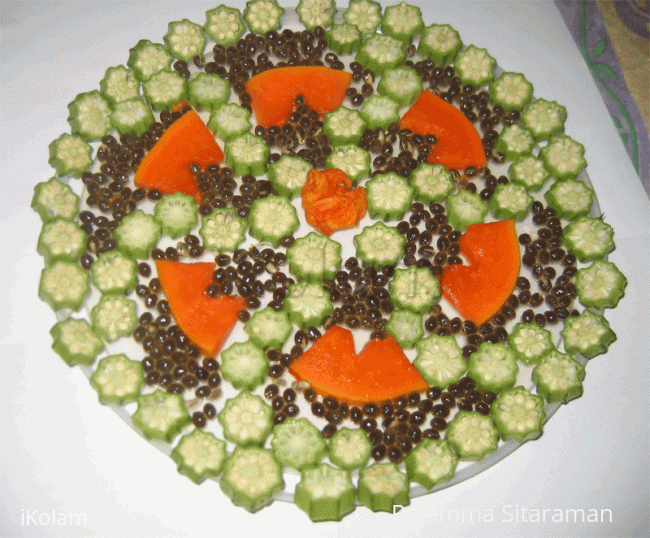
x=511, y=91
x=251, y=477
x=325, y=493
x=588, y=334
x=563, y=157
x=570, y=198
x=244, y=365
x=164, y=88
x=63, y=285
x=406, y=327
x=288, y=175
x=61, y=239
x=246, y=419
x=314, y=258
x=530, y=342
x=70, y=155
x=161, y=415
x=224, y=25
x=90, y=115
x=379, y=245
x=344, y=38
x=184, y=39
x=314, y=13
x=510, y=201
x=518, y=414
x=439, y=43
x=601, y=285
x=53, y=199
x=389, y=196
x=263, y=15
x=199, y=455
x=268, y=328
x=380, y=52
x=431, y=462
x=475, y=66
x=222, y=230
x=402, y=85
x=414, y=289
x=382, y=486
x=119, y=84
x=515, y=141
x=544, y=118
x=558, y=377
x=297, y=443
x=344, y=126
x=271, y=218
x=588, y=238
x=230, y=121
x=117, y=379
x=177, y=214
x=493, y=367
x=379, y=111
x=307, y=304
x=440, y=360
x=114, y=272
x=353, y=160
x=114, y=316
x=208, y=91
x=147, y=58
x=247, y=155
x=350, y=449
x=132, y=116
x=472, y=435
x=402, y=21
x=529, y=171
x=432, y=183
x=465, y=208
x=75, y=341
x=137, y=234
x=364, y=14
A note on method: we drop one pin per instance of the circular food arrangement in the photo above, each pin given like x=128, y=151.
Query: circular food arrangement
x=337, y=257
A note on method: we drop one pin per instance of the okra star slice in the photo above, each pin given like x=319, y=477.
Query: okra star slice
x=90, y=115
x=518, y=414
x=544, y=118
x=325, y=493
x=314, y=13
x=465, y=208
x=343, y=126
x=244, y=365
x=75, y=341
x=515, y=141
x=117, y=379
x=343, y=38
x=247, y=154
x=403, y=85
x=402, y=21
x=314, y=257
x=53, y=199
x=208, y=91
x=511, y=91
x=601, y=285
x=251, y=477
x=114, y=316
x=529, y=171
x=119, y=84
x=307, y=304
x=379, y=111
x=382, y=486
x=530, y=342
x=177, y=214
x=147, y=58
x=350, y=449
x=114, y=272
x=475, y=66
x=161, y=415
x=432, y=183
x=132, y=116
x=246, y=419
x=272, y=218
x=389, y=196
x=230, y=121
x=563, y=157
x=431, y=462
x=288, y=175
x=493, y=367
x=224, y=25
x=185, y=39
x=199, y=455
x=406, y=327
x=510, y=201
x=70, y=155
x=63, y=285
x=298, y=443
x=439, y=43
x=558, y=377
x=570, y=198
x=364, y=14
x=414, y=289
x=222, y=230
x=263, y=15
x=137, y=234
x=352, y=159
x=380, y=52
x=268, y=328
x=472, y=435
x=588, y=334
x=588, y=238
x=440, y=360
x=379, y=245
x=164, y=88
x=61, y=239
